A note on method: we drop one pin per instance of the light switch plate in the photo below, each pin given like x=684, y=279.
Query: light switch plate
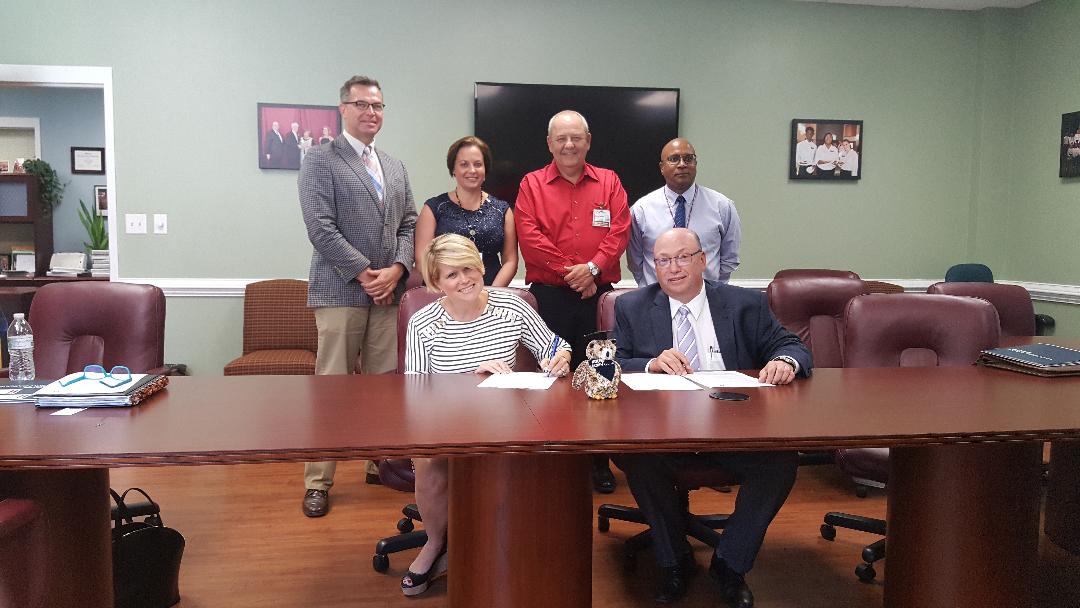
x=161, y=223
x=135, y=223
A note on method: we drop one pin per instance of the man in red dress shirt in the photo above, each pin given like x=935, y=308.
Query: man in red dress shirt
x=573, y=225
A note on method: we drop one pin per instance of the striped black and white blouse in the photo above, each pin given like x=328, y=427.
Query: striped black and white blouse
x=437, y=344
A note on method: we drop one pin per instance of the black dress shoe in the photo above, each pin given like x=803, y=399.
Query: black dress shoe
x=732, y=584
x=373, y=479
x=316, y=503
x=672, y=586
x=603, y=479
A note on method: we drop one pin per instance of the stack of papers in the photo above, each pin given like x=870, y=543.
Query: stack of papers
x=92, y=393
x=690, y=382
x=527, y=380
x=99, y=259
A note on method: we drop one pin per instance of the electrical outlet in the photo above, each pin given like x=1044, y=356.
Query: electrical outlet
x=161, y=223
x=135, y=223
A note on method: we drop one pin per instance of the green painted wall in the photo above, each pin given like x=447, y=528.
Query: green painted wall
x=1040, y=210
x=931, y=86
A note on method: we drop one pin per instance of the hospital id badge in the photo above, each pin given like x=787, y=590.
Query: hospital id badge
x=601, y=218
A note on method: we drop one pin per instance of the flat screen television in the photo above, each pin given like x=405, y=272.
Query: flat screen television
x=629, y=127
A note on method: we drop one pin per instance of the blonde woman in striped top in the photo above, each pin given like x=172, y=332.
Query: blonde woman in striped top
x=469, y=330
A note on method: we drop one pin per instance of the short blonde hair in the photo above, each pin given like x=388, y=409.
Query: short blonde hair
x=451, y=250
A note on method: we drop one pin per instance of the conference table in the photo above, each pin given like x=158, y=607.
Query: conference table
x=963, y=496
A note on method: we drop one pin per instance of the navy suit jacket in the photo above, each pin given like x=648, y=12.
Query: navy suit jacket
x=748, y=334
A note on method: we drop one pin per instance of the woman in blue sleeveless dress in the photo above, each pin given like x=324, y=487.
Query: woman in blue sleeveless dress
x=472, y=213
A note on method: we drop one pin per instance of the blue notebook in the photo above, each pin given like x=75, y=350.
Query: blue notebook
x=1039, y=359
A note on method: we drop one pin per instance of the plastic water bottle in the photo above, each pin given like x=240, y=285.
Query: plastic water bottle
x=20, y=349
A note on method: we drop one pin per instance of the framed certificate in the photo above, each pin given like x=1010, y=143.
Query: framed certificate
x=88, y=161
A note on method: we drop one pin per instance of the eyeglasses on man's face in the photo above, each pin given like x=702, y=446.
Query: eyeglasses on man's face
x=364, y=106
x=681, y=261
x=117, y=376
x=675, y=159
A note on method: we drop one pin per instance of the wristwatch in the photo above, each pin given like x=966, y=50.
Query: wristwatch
x=786, y=359
x=593, y=269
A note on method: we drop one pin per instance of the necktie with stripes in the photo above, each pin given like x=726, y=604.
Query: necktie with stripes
x=680, y=212
x=685, y=338
x=373, y=170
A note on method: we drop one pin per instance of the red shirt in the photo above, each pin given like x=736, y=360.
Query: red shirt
x=555, y=218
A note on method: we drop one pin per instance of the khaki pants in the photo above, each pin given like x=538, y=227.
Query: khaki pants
x=345, y=333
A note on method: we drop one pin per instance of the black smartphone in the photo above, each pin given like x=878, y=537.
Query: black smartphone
x=727, y=396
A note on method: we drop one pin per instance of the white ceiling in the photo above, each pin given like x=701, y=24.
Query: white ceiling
x=954, y=5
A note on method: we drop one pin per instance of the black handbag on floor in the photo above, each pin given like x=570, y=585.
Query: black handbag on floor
x=146, y=555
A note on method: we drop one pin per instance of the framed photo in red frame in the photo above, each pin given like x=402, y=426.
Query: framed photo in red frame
x=288, y=131
x=826, y=149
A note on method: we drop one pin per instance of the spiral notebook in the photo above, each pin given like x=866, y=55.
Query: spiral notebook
x=90, y=393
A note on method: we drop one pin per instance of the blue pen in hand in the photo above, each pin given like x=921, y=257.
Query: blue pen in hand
x=551, y=357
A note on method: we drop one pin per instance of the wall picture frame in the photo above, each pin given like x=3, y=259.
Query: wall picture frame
x=87, y=161
x=1070, y=145
x=826, y=149
x=101, y=200
x=288, y=131
x=5, y=262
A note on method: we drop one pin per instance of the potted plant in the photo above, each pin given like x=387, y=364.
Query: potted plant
x=95, y=228
x=50, y=189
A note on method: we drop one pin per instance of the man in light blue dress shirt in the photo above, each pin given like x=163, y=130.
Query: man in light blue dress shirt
x=683, y=203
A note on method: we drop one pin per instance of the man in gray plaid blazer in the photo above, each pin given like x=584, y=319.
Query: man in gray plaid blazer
x=360, y=216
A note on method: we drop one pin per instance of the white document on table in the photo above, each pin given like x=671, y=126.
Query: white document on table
x=528, y=380
x=658, y=382
x=726, y=379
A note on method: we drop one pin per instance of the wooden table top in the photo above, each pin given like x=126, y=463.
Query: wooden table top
x=208, y=420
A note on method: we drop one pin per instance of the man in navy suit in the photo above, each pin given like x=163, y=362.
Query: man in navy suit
x=677, y=326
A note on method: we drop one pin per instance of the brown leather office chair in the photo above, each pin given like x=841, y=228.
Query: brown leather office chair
x=95, y=322
x=811, y=306
x=280, y=337
x=1013, y=303
x=904, y=330
x=701, y=527
x=397, y=473
x=22, y=554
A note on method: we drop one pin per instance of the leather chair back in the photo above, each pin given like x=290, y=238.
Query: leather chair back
x=277, y=317
x=95, y=322
x=1013, y=303
x=22, y=554
x=605, y=309
x=917, y=330
x=812, y=308
x=813, y=273
x=969, y=273
x=418, y=297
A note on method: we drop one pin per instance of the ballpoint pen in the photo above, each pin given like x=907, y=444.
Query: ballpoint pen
x=551, y=357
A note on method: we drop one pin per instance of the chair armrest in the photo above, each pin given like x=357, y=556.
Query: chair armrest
x=1043, y=324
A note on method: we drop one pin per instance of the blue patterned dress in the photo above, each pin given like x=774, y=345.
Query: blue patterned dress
x=484, y=226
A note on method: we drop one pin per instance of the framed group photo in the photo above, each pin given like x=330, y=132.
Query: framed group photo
x=1070, y=145
x=826, y=149
x=288, y=131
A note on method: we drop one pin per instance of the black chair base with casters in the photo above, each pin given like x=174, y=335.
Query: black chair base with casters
x=409, y=538
x=398, y=474
x=871, y=553
x=701, y=527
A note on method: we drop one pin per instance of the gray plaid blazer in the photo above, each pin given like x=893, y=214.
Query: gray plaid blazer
x=348, y=227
